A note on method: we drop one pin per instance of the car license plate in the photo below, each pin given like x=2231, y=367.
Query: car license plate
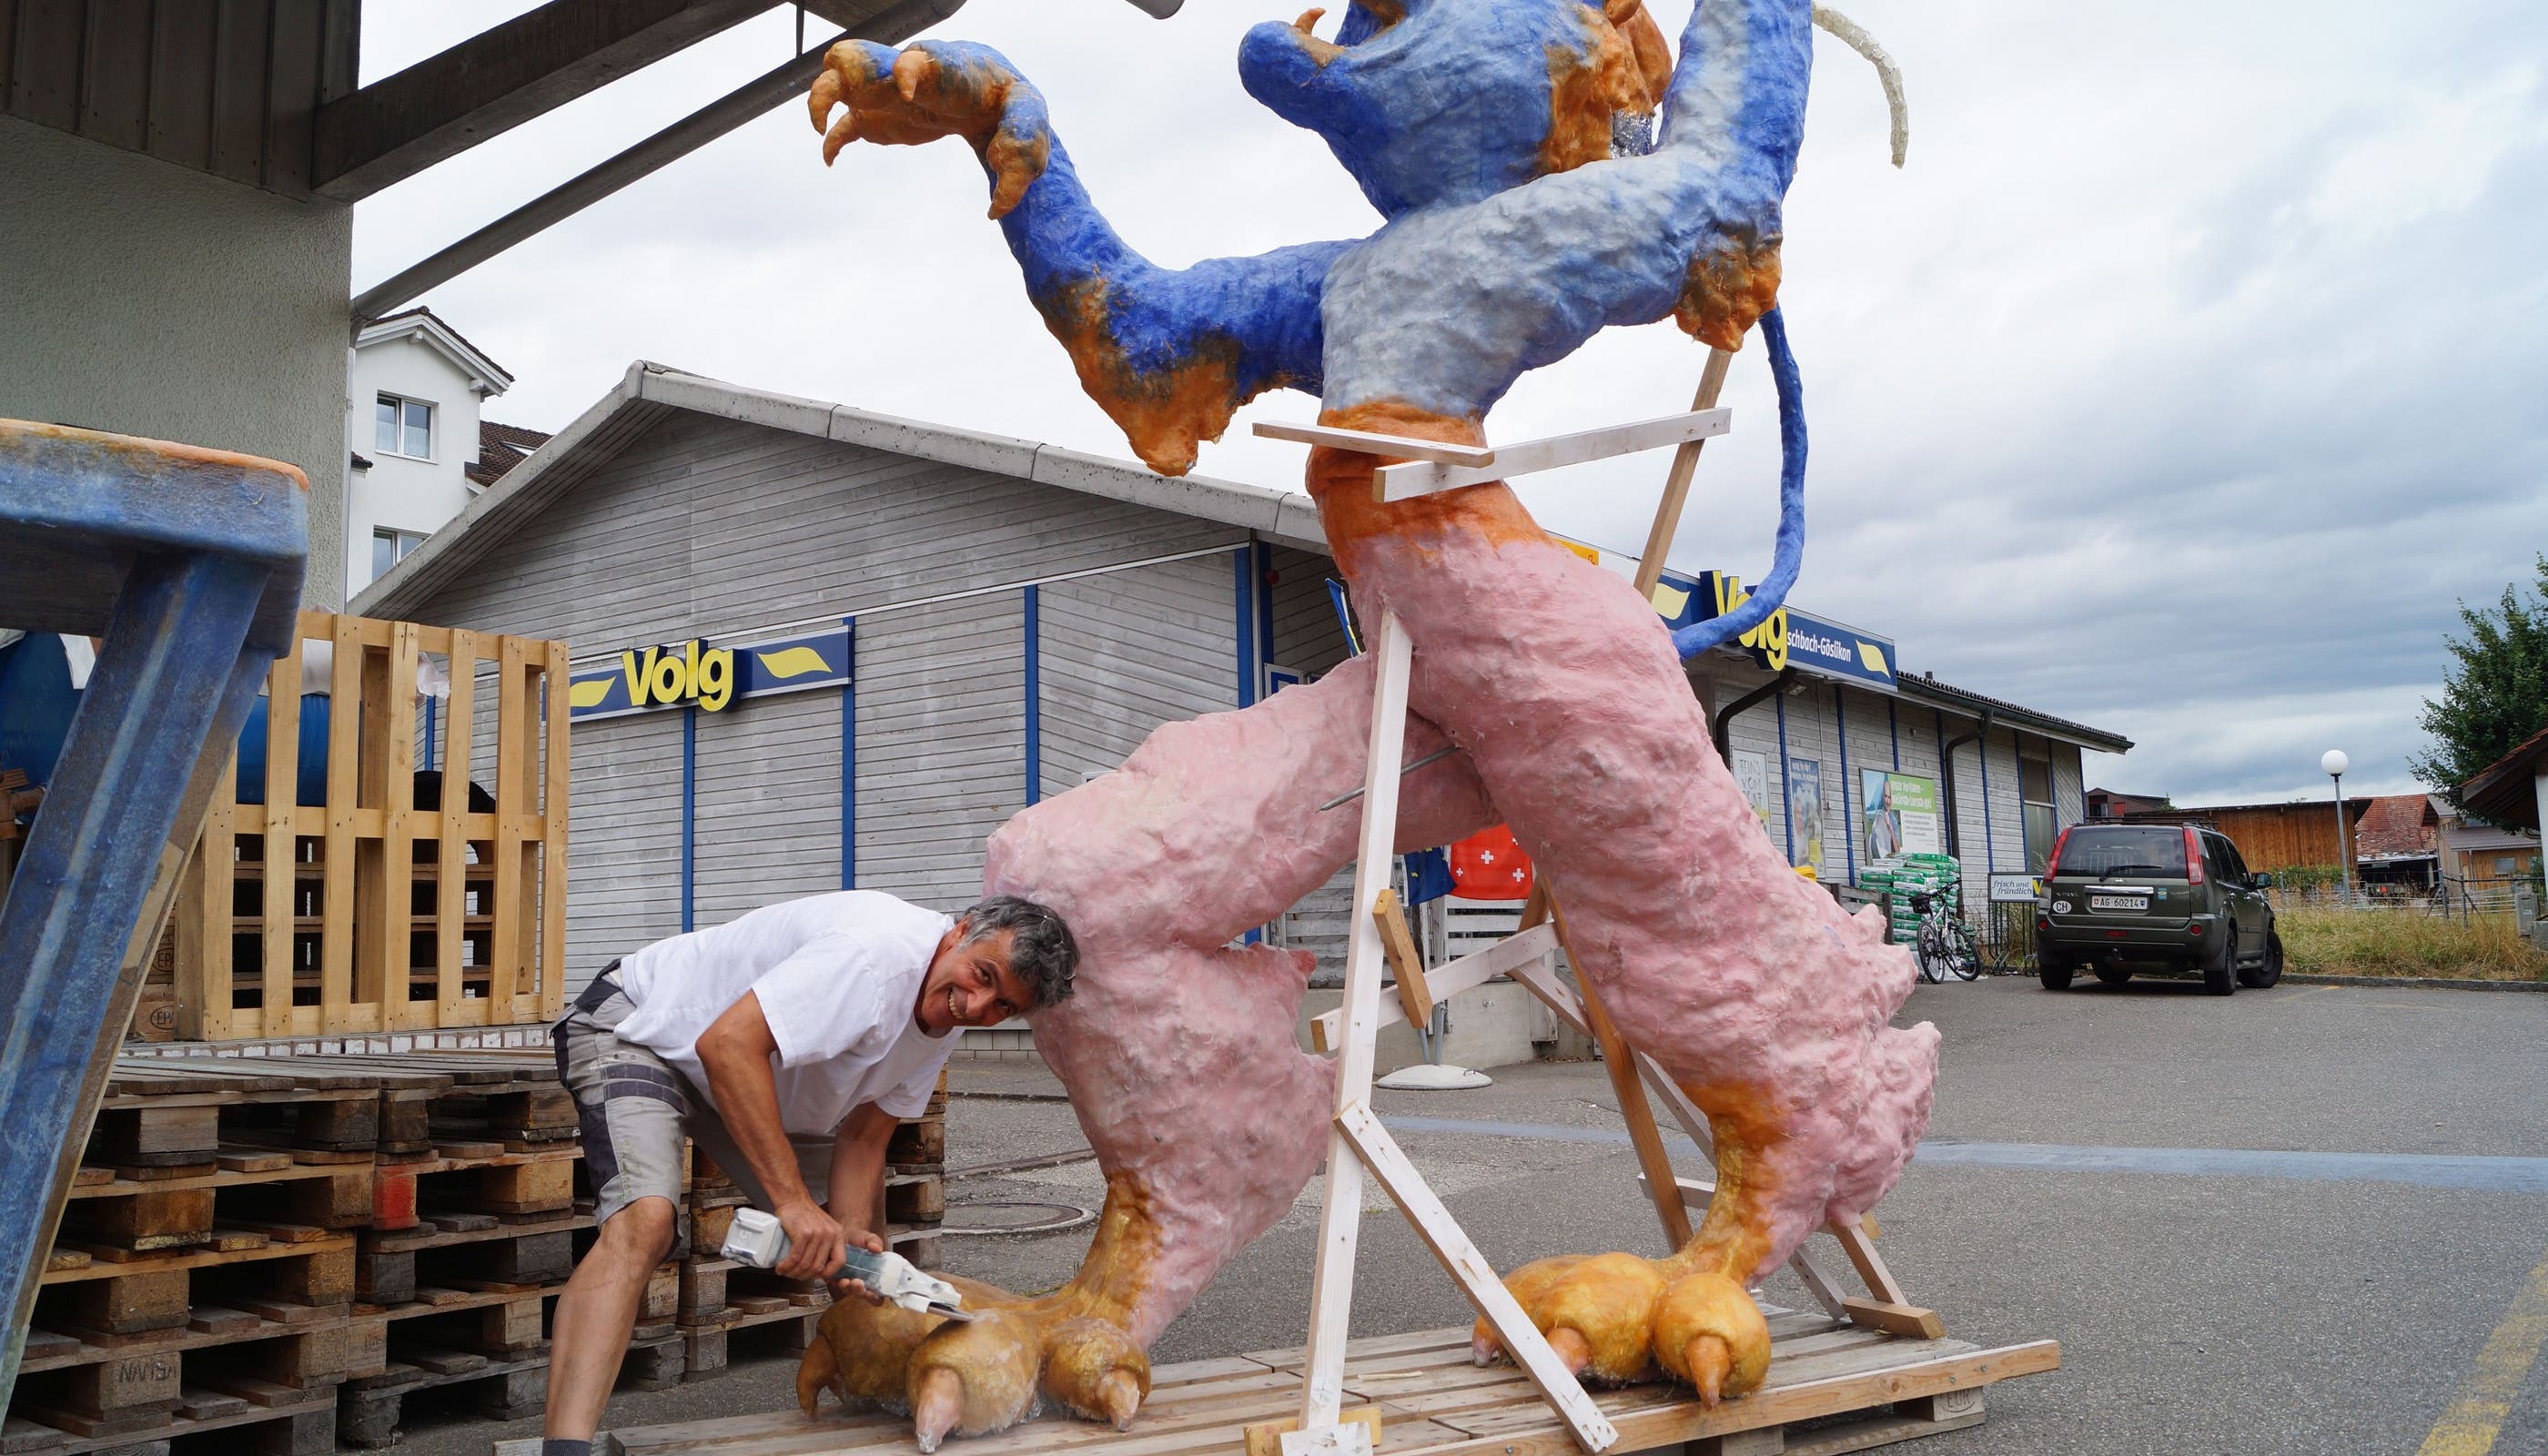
x=2119, y=902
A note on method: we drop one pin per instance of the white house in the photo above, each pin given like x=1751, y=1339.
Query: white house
x=420, y=450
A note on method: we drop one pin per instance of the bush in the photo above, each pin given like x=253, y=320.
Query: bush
x=2304, y=880
x=2403, y=942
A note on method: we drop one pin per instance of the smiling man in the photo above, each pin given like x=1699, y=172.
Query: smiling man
x=825, y=1017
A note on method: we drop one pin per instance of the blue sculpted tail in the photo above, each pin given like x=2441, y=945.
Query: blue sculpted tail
x=1790, y=556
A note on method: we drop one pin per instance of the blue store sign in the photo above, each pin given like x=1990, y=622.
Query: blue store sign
x=693, y=674
x=1786, y=638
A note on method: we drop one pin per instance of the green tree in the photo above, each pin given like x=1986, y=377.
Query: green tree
x=2498, y=694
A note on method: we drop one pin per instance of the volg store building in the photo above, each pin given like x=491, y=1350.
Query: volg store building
x=817, y=647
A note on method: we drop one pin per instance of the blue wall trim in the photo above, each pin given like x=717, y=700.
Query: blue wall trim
x=429, y=705
x=849, y=764
x=1243, y=586
x=1893, y=725
x=1263, y=577
x=689, y=816
x=1786, y=801
x=1847, y=824
x=1035, y=694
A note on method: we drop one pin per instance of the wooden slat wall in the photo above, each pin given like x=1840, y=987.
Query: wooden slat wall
x=627, y=854
x=1127, y=651
x=1305, y=632
x=686, y=529
x=1756, y=730
x=769, y=803
x=940, y=744
x=221, y=86
x=1306, y=636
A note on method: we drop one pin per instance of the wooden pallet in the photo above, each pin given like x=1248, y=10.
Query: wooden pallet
x=373, y=912
x=226, y=1366
x=1832, y=1387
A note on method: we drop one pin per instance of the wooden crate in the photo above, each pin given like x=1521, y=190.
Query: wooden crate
x=370, y=913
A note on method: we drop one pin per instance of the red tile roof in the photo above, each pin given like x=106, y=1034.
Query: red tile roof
x=501, y=447
x=2394, y=826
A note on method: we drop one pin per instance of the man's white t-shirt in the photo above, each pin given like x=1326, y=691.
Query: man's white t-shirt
x=838, y=976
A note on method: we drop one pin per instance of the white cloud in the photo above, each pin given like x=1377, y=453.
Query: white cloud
x=2181, y=383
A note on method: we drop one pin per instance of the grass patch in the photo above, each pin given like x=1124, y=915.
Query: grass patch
x=2330, y=941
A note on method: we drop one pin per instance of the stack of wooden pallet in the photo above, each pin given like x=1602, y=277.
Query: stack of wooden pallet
x=300, y=1244
x=204, y=1276
x=474, y=1231
x=915, y=1183
x=722, y=1302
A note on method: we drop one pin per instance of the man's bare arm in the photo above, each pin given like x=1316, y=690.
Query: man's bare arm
x=735, y=1049
x=857, y=1175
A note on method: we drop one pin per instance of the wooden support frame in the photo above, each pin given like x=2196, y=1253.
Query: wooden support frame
x=1425, y=477
x=1434, y=465
x=1398, y=943
x=371, y=912
x=1357, y=1141
x=1326, y=1029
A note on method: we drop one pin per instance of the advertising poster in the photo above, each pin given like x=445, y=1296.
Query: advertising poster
x=1901, y=815
x=1805, y=811
x=1752, y=776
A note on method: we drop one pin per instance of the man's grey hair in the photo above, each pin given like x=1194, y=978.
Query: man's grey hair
x=1044, y=956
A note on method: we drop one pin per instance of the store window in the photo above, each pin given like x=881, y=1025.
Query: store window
x=390, y=547
x=401, y=426
x=2035, y=796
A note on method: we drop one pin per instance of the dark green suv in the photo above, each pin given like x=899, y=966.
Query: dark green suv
x=2122, y=897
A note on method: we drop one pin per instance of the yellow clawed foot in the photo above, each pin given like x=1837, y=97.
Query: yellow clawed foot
x=1614, y=1319
x=973, y=1378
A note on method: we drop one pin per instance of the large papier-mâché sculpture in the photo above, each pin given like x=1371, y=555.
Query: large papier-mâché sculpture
x=1483, y=131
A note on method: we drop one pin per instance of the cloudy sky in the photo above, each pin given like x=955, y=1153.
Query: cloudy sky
x=2182, y=383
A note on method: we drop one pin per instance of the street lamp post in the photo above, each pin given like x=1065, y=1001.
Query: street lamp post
x=2332, y=763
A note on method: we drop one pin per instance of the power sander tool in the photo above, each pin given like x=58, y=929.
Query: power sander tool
x=758, y=1239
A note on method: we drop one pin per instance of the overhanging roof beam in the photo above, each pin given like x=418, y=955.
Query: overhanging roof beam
x=494, y=82
x=891, y=27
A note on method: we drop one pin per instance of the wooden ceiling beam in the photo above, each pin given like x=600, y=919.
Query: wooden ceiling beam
x=493, y=82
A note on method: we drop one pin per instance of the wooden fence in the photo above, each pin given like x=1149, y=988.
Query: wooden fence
x=370, y=912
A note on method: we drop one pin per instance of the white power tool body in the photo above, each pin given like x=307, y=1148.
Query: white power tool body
x=758, y=1239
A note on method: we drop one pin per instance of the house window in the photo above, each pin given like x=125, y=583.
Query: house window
x=2506, y=866
x=2035, y=797
x=403, y=428
x=390, y=547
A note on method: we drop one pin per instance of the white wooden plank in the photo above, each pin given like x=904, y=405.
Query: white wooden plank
x=1339, y=1218
x=1370, y=442
x=1425, y=477
x=1475, y=1277
x=1469, y=971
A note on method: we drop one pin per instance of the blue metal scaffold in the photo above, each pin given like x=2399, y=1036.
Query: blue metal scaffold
x=187, y=563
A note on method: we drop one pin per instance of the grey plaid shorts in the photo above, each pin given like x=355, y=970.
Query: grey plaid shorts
x=633, y=1106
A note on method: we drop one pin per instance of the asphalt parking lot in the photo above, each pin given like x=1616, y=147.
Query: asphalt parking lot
x=2311, y=1219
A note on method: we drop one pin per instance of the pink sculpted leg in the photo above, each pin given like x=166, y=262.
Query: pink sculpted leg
x=1753, y=990
x=1178, y=1047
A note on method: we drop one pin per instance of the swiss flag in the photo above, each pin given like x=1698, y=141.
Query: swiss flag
x=1489, y=865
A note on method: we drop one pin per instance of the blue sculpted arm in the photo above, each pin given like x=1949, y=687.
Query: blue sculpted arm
x=1169, y=353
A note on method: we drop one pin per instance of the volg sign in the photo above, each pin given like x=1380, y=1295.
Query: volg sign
x=677, y=676
x=694, y=675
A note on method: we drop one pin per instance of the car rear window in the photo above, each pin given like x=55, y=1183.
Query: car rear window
x=2156, y=848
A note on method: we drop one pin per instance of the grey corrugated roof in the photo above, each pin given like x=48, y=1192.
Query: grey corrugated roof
x=2009, y=714
x=649, y=390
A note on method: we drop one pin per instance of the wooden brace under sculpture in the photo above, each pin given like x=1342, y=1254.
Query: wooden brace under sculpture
x=1483, y=131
